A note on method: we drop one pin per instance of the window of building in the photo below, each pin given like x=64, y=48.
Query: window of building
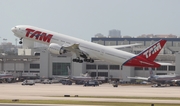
x=171, y=68
x=162, y=68
x=34, y=72
x=90, y=66
x=146, y=68
x=138, y=68
x=114, y=67
x=148, y=43
x=137, y=51
x=103, y=74
x=34, y=66
x=110, y=43
x=93, y=74
x=169, y=43
x=19, y=71
x=60, y=68
x=100, y=42
x=125, y=42
x=161, y=74
x=102, y=67
x=176, y=44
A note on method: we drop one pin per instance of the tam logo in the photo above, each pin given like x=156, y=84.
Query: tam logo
x=152, y=50
x=41, y=36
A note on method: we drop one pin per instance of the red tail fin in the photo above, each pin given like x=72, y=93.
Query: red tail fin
x=151, y=52
x=146, y=58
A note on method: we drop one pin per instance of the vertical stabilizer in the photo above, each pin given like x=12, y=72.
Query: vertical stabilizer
x=151, y=52
x=151, y=72
x=69, y=72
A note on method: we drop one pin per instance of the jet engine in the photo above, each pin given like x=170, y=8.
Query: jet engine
x=56, y=49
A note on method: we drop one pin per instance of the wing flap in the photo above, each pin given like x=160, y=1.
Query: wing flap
x=75, y=49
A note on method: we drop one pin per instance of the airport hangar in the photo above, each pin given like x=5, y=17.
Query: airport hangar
x=32, y=61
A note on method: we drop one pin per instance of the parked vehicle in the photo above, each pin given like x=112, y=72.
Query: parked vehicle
x=46, y=81
x=81, y=82
x=55, y=81
x=66, y=82
x=115, y=84
x=28, y=82
x=37, y=80
x=91, y=83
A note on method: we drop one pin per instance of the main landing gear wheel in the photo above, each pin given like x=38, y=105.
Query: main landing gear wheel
x=78, y=60
x=20, y=42
x=89, y=60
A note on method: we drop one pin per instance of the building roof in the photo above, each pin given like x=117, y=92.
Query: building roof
x=133, y=39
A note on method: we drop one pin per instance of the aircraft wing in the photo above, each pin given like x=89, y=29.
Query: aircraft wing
x=140, y=78
x=176, y=80
x=62, y=77
x=124, y=46
x=75, y=49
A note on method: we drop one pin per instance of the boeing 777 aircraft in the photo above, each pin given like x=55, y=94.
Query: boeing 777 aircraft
x=89, y=51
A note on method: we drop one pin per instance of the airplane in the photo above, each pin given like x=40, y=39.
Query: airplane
x=159, y=80
x=6, y=77
x=77, y=79
x=81, y=79
x=86, y=51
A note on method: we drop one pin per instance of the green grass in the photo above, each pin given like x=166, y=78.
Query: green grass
x=84, y=103
x=128, y=97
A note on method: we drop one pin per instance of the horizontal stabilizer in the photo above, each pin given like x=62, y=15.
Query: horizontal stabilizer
x=167, y=64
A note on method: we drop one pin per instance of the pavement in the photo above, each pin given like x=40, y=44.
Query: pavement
x=57, y=91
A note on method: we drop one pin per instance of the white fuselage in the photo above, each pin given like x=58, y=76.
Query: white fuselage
x=95, y=51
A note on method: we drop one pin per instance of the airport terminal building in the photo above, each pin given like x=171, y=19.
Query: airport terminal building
x=33, y=61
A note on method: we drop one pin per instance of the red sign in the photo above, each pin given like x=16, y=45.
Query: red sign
x=41, y=36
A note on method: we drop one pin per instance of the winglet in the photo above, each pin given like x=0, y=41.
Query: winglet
x=151, y=52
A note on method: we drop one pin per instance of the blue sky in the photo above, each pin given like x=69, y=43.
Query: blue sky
x=85, y=18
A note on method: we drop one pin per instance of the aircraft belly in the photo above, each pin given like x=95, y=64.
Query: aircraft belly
x=99, y=55
x=91, y=54
x=111, y=59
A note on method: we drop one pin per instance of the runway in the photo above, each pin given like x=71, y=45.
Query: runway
x=10, y=104
x=57, y=91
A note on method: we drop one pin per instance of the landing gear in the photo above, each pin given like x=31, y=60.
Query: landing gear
x=78, y=60
x=81, y=61
x=20, y=42
x=89, y=60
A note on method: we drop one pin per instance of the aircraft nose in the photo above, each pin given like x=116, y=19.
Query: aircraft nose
x=13, y=29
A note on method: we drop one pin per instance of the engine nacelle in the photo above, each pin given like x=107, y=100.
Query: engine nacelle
x=56, y=49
